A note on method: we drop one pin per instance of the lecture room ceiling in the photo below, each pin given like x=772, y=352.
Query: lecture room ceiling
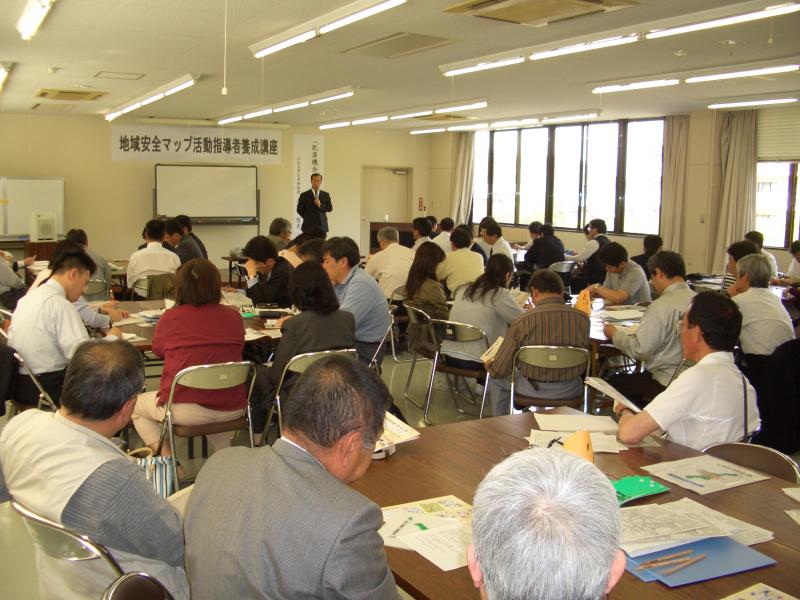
x=160, y=40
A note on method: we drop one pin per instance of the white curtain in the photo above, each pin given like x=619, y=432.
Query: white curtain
x=462, y=177
x=738, y=159
x=673, y=181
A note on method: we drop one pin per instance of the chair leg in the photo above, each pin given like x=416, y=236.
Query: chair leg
x=280, y=415
x=483, y=398
x=408, y=382
x=250, y=427
x=190, y=446
x=175, y=477
x=394, y=351
x=203, y=446
x=430, y=390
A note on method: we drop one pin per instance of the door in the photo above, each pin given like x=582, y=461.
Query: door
x=385, y=197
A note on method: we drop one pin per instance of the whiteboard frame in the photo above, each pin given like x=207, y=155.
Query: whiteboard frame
x=61, y=226
x=200, y=220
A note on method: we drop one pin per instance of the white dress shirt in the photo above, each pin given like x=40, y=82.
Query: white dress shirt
x=153, y=259
x=459, y=267
x=443, y=241
x=765, y=322
x=590, y=248
x=419, y=242
x=793, y=272
x=92, y=317
x=705, y=404
x=772, y=262
x=390, y=267
x=500, y=247
x=46, y=329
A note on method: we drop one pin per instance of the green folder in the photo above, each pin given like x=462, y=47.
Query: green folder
x=637, y=486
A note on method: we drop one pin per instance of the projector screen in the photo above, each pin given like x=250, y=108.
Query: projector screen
x=221, y=192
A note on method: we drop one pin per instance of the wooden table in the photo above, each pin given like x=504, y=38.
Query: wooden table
x=146, y=331
x=453, y=459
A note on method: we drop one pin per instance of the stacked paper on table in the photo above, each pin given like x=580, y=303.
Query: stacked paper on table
x=760, y=591
x=395, y=432
x=437, y=528
x=601, y=442
x=552, y=422
x=704, y=474
x=129, y=321
x=656, y=527
x=793, y=493
x=131, y=337
x=251, y=334
x=521, y=297
x=490, y=353
x=235, y=299
x=627, y=314
x=609, y=390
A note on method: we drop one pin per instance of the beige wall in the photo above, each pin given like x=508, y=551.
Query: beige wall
x=112, y=200
x=442, y=162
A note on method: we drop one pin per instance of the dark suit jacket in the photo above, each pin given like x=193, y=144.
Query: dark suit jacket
x=275, y=288
x=544, y=252
x=187, y=249
x=271, y=522
x=641, y=260
x=200, y=244
x=313, y=216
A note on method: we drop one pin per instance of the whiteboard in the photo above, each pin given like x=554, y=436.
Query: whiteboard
x=207, y=191
x=19, y=197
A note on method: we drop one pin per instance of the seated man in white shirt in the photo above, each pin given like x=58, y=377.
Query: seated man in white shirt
x=390, y=266
x=443, y=238
x=47, y=329
x=153, y=259
x=420, y=231
x=64, y=467
x=625, y=280
x=545, y=525
x=461, y=265
x=710, y=403
x=765, y=322
x=758, y=240
x=792, y=275
x=492, y=236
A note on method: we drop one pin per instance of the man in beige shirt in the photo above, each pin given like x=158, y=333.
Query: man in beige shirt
x=390, y=266
x=462, y=265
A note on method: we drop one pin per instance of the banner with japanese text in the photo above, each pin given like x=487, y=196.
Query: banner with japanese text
x=157, y=143
x=309, y=157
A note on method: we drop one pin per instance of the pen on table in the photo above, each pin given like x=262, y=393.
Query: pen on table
x=403, y=524
x=685, y=564
x=685, y=479
x=664, y=560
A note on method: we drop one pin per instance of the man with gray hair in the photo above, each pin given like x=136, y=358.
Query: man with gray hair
x=281, y=521
x=64, y=467
x=280, y=232
x=545, y=525
x=765, y=322
x=390, y=266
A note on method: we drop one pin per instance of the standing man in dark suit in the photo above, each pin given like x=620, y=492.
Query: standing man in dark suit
x=313, y=204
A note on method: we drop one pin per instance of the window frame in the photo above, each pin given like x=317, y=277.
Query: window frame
x=620, y=193
x=791, y=201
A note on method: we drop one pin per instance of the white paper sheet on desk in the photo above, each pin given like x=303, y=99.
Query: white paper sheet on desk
x=395, y=432
x=612, y=392
x=254, y=334
x=741, y=531
x=131, y=337
x=576, y=423
x=653, y=527
x=760, y=591
x=398, y=522
x=794, y=514
x=601, y=442
x=128, y=321
x=149, y=314
x=793, y=493
x=446, y=547
x=619, y=315
x=704, y=474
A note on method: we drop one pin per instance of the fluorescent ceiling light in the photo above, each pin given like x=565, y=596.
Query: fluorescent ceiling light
x=152, y=99
x=421, y=113
x=771, y=11
x=335, y=125
x=361, y=14
x=567, y=118
x=258, y=113
x=347, y=94
x=181, y=86
x=229, y=120
x=112, y=116
x=748, y=73
x=753, y=103
x=291, y=106
x=515, y=123
x=371, y=120
x=133, y=106
x=288, y=43
x=32, y=17
x=468, y=127
x=473, y=106
x=485, y=66
x=586, y=46
x=639, y=85
x=421, y=131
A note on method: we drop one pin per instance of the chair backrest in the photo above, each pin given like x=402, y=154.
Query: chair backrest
x=140, y=282
x=57, y=541
x=759, y=458
x=95, y=287
x=299, y=363
x=137, y=586
x=417, y=316
x=564, y=266
x=218, y=376
x=460, y=332
x=161, y=286
x=398, y=294
x=45, y=401
x=552, y=357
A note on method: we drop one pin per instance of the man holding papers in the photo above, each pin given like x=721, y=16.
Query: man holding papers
x=281, y=521
x=711, y=402
x=656, y=343
x=545, y=525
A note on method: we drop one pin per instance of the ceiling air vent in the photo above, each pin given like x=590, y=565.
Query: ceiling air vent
x=397, y=45
x=535, y=12
x=69, y=95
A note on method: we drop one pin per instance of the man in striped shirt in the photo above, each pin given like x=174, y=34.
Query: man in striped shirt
x=552, y=323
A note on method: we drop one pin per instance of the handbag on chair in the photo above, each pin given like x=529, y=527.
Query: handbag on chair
x=157, y=470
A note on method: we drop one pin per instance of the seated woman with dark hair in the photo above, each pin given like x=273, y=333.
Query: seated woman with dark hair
x=198, y=330
x=320, y=325
x=486, y=303
x=423, y=290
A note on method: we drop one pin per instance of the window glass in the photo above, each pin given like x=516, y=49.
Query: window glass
x=480, y=175
x=645, y=142
x=533, y=175
x=601, y=172
x=504, y=176
x=566, y=176
x=772, y=200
